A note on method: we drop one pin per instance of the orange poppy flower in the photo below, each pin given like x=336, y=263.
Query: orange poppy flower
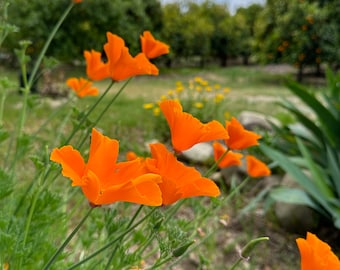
x=240, y=138
x=77, y=1
x=178, y=180
x=120, y=64
x=316, y=254
x=102, y=180
x=151, y=47
x=82, y=87
x=187, y=130
x=230, y=158
x=256, y=168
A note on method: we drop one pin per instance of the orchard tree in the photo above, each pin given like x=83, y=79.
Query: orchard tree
x=85, y=28
x=301, y=33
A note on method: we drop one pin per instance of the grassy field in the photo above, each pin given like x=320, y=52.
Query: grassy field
x=252, y=88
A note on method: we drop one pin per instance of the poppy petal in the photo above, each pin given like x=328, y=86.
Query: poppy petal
x=178, y=180
x=103, y=154
x=240, y=138
x=316, y=254
x=151, y=47
x=142, y=190
x=229, y=159
x=186, y=130
x=72, y=163
x=82, y=87
x=256, y=168
x=95, y=69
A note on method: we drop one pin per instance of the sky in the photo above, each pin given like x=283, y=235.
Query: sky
x=232, y=4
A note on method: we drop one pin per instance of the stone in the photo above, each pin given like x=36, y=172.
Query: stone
x=254, y=121
x=199, y=153
x=296, y=218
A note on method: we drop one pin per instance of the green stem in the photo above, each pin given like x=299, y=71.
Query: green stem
x=29, y=221
x=169, y=258
x=215, y=165
x=88, y=113
x=53, y=115
x=47, y=43
x=2, y=105
x=238, y=188
x=67, y=240
x=119, y=237
x=104, y=111
x=127, y=227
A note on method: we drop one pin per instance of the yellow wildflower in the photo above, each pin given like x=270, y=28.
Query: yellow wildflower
x=148, y=106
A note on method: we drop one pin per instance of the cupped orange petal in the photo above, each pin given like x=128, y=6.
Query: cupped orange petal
x=143, y=189
x=121, y=64
x=178, y=181
x=316, y=254
x=103, y=155
x=256, y=168
x=239, y=137
x=151, y=47
x=96, y=69
x=229, y=159
x=145, y=67
x=82, y=87
x=72, y=163
x=77, y=1
x=187, y=130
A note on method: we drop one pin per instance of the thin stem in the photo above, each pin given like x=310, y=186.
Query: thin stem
x=67, y=240
x=119, y=237
x=47, y=44
x=215, y=165
x=89, y=112
x=104, y=111
x=28, y=221
x=53, y=115
x=238, y=188
x=2, y=104
x=169, y=258
x=128, y=226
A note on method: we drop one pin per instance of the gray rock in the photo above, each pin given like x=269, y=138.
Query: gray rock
x=295, y=218
x=199, y=153
x=254, y=120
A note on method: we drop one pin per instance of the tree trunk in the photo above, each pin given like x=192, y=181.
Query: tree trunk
x=300, y=73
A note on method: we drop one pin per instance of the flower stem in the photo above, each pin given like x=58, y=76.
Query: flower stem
x=127, y=227
x=119, y=237
x=47, y=44
x=104, y=111
x=67, y=240
x=82, y=120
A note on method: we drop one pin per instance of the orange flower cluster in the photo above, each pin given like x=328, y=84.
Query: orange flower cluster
x=160, y=179
x=239, y=139
x=316, y=254
x=154, y=181
x=120, y=64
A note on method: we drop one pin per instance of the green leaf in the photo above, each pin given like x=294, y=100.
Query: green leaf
x=330, y=125
x=319, y=178
x=304, y=120
x=334, y=168
x=297, y=174
x=293, y=195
